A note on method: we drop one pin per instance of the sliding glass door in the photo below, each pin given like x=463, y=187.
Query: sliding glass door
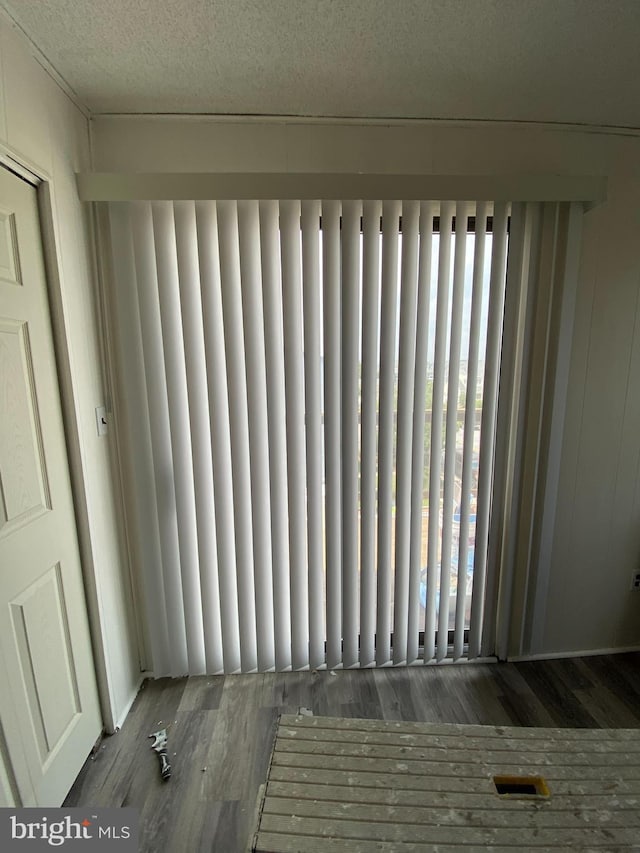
x=314, y=407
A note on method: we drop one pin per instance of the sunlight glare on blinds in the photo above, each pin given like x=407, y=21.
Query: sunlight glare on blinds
x=351, y=212
x=313, y=410
x=276, y=428
x=451, y=428
x=369, y=432
x=332, y=429
x=423, y=312
x=435, y=467
x=229, y=248
x=296, y=452
x=469, y=426
x=253, y=320
x=406, y=388
x=386, y=417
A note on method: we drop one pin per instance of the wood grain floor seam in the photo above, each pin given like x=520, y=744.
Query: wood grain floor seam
x=221, y=735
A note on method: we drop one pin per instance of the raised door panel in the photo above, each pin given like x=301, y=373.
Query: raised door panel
x=24, y=490
x=40, y=628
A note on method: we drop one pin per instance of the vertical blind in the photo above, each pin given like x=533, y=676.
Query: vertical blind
x=310, y=389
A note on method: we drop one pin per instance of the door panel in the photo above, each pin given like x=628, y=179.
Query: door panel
x=48, y=705
x=24, y=490
x=41, y=636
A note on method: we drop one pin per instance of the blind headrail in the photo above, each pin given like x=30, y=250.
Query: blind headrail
x=194, y=186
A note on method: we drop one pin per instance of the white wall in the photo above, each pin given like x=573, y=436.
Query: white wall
x=597, y=536
x=43, y=129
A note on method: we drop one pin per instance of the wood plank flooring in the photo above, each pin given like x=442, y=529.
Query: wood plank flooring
x=221, y=731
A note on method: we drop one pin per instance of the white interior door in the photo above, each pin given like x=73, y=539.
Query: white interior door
x=49, y=711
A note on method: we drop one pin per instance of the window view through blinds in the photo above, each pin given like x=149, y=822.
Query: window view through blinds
x=326, y=378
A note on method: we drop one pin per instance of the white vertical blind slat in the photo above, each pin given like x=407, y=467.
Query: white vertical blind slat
x=133, y=407
x=274, y=353
x=519, y=311
x=369, y=432
x=423, y=311
x=294, y=385
x=239, y=424
x=351, y=211
x=175, y=370
x=313, y=405
x=435, y=466
x=388, y=348
x=254, y=343
x=152, y=344
x=448, y=500
x=333, y=485
x=564, y=284
x=198, y=407
x=488, y=421
x=219, y=427
x=480, y=238
x=537, y=337
x=406, y=383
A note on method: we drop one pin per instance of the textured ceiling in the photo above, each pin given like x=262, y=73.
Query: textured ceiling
x=530, y=60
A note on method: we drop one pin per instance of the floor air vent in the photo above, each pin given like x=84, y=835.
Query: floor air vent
x=521, y=786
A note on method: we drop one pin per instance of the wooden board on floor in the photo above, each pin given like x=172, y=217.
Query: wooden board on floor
x=350, y=786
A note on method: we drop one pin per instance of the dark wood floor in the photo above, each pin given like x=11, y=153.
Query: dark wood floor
x=221, y=731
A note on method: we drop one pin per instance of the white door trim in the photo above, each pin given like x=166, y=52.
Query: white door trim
x=43, y=182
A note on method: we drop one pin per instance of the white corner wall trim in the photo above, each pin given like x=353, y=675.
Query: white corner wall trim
x=125, y=707
x=364, y=121
x=112, y=186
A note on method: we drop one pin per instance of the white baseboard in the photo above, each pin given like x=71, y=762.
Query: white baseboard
x=577, y=653
x=127, y=706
